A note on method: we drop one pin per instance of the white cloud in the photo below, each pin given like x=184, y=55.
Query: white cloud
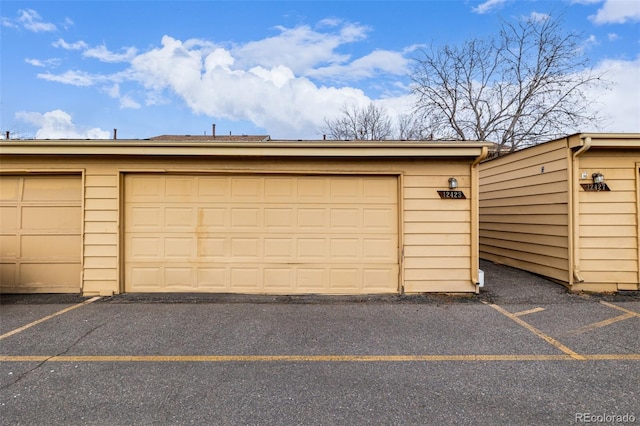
x=68, y=23
x=74, y=78
x=58, y=124
x=126, y=101
x=622, y=102
x=488, y=6
x=79, y=45
x=32, y=21
x=299, y=48
x=617, y=12
x=104, y=55
x=539, y=17
x=273, y=98
x=43, y=63
x=378, y=61
x=272, y=83
x=8, y=23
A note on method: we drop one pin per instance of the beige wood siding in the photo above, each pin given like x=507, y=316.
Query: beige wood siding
x=608, y=221
x=524, y=210
x=261, y=234
x=101, y=222
x=40, y=234
x=437, y=247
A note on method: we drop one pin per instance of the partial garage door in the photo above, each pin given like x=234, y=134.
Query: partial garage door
x=277, y=234
x=40, y=234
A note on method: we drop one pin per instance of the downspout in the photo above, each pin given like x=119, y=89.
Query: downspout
x=475, y=219
x=574, y=218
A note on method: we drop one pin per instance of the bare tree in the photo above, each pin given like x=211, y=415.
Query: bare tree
x=359, y=123
x=527, y=85
x=412, y=127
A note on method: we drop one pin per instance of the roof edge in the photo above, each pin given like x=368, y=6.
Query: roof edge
x=246, y=149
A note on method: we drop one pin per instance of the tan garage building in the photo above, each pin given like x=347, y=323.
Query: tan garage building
x=270, y=217
x=566, y=209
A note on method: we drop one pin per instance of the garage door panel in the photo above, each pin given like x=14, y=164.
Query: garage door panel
x=178, y=189
x=144, y=188
x=245, y=278
x=40, y=233
x=52, y=188
x=245, y=249
x=246, y=189
x=144, y=218
x=379, y=249
x=145, y=278
x=214, y=279
x=179, y=278
x=10, y=188
x=344, y=190
x=278, y=279
x=51, y=246
x=9, y=218
x=243, y=218
x=279, y=249
x=213, y=219
x=49, y=217
x=344, y=278
x=144, y=247
x=212, y=189
x=280, y=190
x=312, y=249
x=345, y=249
x=379, y=219
x=180, y=218
x=261, y=234
x=9, y=246
x=179, y=247
x=312, y=219
x=347, y=219
x=379, y=191
x=209, y=247
x=376, y=279
x=49, y=275
x=279, y=219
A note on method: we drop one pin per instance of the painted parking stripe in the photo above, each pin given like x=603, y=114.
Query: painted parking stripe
x=620, y=308
x=41, y=320
x=602, y=323
x=529, y=311
x=537, y=332
x=314, y=358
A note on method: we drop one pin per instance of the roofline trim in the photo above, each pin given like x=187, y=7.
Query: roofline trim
x=244, y=149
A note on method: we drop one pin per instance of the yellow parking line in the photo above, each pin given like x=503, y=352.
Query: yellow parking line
x=620, y=308
x=31, y=324
x=529, y=311
x=602, y=323
x=537, y=332
x=314, y=358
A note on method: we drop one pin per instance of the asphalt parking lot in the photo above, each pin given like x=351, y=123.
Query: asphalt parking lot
x=523, y=351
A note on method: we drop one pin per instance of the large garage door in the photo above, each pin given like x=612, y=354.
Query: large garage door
x=261, y=234
x=40, y=234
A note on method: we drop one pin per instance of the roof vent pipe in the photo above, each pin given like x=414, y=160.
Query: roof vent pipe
x=115, y=134
x=213, y=130
x=8, y=135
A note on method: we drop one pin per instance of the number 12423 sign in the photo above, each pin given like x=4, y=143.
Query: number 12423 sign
x=452, y=195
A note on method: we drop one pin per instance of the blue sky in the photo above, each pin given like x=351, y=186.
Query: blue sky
x=79, y=69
